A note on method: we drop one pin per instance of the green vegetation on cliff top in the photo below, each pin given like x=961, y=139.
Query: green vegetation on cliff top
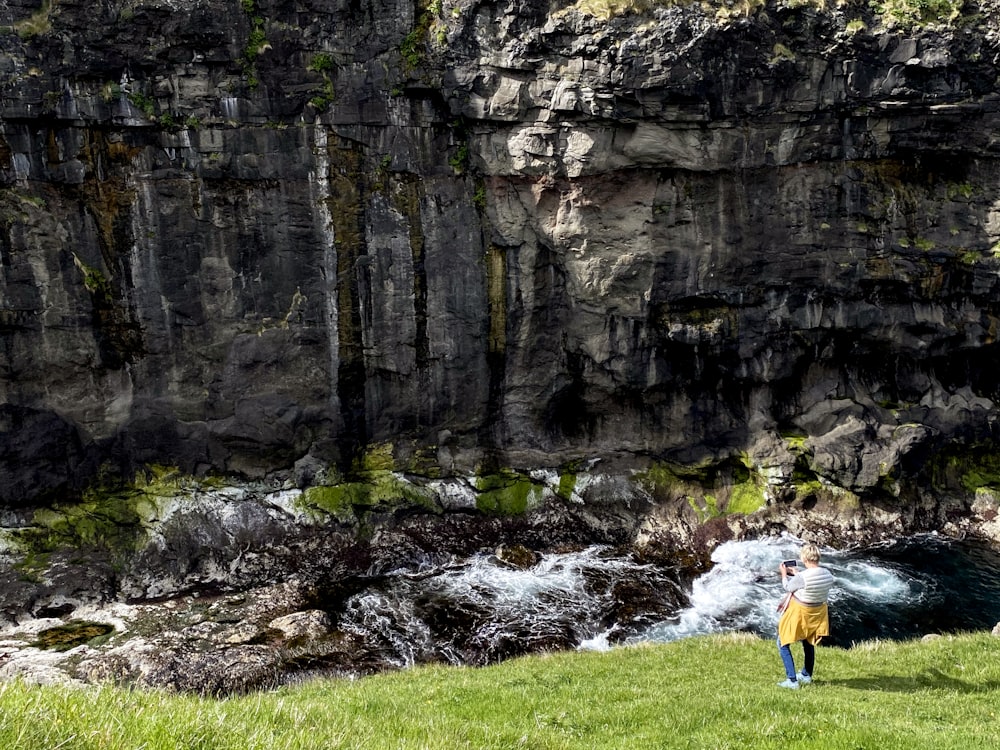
x=708, y=692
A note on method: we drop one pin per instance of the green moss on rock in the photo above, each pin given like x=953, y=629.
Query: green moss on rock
x=706, y=507
x=984, y=473
x=807, y=487
x=423, y=462
x=336, y=501
x=970, y=470
x=377, y=457
x=381, y=490
x=746, y=497
x=507, y=493
x=795, y=442
x=71, y=635
x=33, y=566
x=711, y=491
x=389, y=489
x=113, y=517
x=112, y=522
x=660, y=481
x=567, y=485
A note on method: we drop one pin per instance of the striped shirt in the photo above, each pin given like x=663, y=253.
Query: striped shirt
x=811, y=586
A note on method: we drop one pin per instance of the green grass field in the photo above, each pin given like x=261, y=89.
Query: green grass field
x=707, y=692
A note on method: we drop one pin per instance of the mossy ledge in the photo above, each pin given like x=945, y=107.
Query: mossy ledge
x=968, y=470
x=508, y=493
x=141, y=525
x=710, y=491
x=115, y=517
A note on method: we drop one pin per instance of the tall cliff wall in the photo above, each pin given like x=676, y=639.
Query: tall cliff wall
x=265, y=236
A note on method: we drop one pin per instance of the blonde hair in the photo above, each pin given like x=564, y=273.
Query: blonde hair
x=810, y=553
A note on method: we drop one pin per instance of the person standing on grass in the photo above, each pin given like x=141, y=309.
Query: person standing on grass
x=806, y=616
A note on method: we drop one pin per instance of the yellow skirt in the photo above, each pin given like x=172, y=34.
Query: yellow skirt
x=801, y=623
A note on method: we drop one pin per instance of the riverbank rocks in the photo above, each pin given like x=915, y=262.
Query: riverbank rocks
x=306, y=625
x=220, y=644
x=260, y=600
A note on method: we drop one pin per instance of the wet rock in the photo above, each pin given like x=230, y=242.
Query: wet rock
x=516, y=555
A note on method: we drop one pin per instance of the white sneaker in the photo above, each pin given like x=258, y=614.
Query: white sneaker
x=804, y=678
x=790, y=684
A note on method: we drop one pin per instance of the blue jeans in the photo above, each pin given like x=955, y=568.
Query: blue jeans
x=809, y=654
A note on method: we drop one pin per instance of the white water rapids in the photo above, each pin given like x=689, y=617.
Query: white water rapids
x=479, y=610
x=743, y=588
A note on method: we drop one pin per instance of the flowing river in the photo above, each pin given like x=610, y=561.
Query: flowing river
x=479, y=610
x=896, y=590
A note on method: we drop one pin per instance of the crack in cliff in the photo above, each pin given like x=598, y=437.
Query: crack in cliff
x=346, y=201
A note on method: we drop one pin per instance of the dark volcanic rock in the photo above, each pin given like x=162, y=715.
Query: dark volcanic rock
x=239, y=236
x=235, y=237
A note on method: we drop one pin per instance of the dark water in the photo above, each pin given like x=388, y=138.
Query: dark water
x=932, y=585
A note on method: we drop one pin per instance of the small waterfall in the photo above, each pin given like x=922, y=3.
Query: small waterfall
x=230, y=107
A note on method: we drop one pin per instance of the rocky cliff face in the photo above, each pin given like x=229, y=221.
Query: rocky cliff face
x=398, y=280
x=260, y=238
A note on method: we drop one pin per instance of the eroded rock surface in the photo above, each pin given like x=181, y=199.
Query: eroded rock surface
x=238, y=236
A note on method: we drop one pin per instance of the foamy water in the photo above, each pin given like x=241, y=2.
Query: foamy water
x=741, y=591
x=480, y=610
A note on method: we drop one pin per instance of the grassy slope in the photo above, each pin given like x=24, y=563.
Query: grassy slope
x=712, y=692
